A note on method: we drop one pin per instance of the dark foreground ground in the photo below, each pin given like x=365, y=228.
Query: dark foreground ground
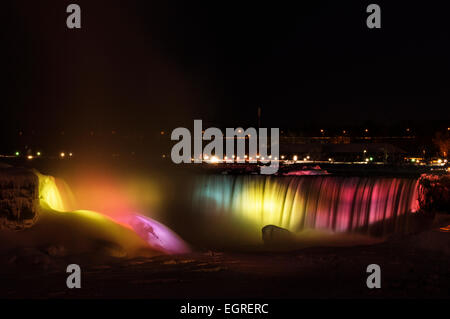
x=413, y=266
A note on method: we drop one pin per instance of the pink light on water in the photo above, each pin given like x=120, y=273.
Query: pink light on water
x=157, y=235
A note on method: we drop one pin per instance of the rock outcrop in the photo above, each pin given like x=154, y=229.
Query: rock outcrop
x=19, y=198
x=273, y=235
x=434, y=193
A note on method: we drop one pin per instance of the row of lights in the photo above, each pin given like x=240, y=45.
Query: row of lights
x=38, y=154
x=322, y=131
x=215, y=159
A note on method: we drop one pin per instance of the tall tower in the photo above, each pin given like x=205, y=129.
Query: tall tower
x=259, y=117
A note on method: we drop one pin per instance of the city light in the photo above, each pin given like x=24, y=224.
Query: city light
x=62, y=154
x=38, y=153
x=295, y=158
x=30, y=157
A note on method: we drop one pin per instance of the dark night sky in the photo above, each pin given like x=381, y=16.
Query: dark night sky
x=142, y=65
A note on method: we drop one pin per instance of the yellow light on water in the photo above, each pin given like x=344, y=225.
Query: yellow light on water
x=49, y=193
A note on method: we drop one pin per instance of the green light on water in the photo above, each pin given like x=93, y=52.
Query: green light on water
x=371, y=158
x=38, y=153
x=17, y=153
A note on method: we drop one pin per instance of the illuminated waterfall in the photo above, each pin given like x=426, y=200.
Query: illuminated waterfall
x=56, y=195
x=338, y=204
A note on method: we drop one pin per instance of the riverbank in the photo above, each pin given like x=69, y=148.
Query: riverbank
x=414, y=266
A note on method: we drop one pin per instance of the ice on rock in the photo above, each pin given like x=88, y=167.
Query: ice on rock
x=19, y=198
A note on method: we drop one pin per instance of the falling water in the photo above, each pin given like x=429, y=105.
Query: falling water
x=56, y=195
x=332, y=203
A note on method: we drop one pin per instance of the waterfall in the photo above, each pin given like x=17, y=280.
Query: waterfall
x=56, y=197
x=333, y=203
